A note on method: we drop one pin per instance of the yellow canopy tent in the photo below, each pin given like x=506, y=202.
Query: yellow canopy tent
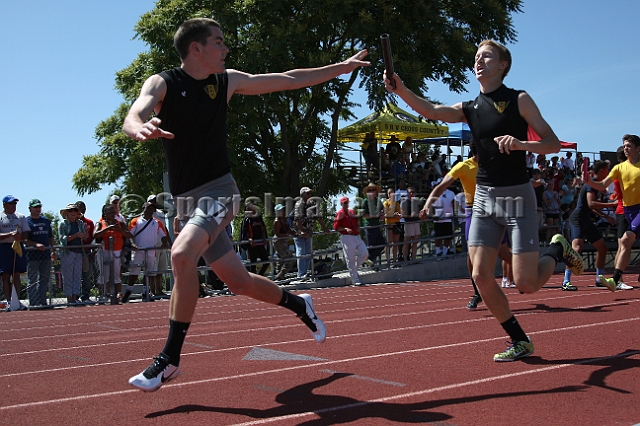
x=391, y=121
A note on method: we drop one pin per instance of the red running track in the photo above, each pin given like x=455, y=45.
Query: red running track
x=396, y=354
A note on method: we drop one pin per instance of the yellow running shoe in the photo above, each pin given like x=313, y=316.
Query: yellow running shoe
x=569, y=256
x=516, y=351
x=608, y=283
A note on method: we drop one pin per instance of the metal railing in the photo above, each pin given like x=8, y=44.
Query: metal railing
x=81, y=275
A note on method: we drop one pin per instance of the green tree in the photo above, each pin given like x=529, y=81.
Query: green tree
x=281, y=141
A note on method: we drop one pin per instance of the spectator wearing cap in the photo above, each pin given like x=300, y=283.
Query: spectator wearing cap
x=354, y=249
x=305, y=216
x=372, y=213
x=71, y=233
x=283, y=233
x=162, y=254
x=88, y=270
x=115, y=202
x=13, y=262
x=39, y=238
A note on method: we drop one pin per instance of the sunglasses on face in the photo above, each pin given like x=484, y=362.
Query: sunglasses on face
x=73, y=210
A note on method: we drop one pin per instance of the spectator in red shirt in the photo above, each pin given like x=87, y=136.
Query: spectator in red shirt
x=355, y=250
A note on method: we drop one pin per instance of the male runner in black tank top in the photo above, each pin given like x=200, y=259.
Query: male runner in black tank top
x=498, y=119
x=191, y=106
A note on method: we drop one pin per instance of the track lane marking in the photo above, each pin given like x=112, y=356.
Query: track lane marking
x=340, y=321
x=361, y=358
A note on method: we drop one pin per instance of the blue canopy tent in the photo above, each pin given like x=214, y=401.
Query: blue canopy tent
x=462, y=137
x=458, y=137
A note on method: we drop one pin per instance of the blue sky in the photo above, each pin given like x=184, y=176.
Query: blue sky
x=579, y=63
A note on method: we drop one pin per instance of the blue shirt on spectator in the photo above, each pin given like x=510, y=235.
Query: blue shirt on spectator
x=41, y=232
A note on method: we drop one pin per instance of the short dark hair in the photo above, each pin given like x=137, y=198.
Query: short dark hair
x=106, y=209
x=632, y=138
x=599, y=165
x=620, y=155
x=197, y=30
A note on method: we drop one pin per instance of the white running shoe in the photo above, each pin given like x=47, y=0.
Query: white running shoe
x=623, y=286
x=156, y=375
x=312, y=321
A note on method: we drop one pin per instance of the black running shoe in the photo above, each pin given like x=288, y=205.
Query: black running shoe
x=473, y=303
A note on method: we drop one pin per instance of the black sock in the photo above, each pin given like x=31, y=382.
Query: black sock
x=293, y=303
x=617, y=275
x=514, y=330
x=475, y=288
x=556, y=251
x=177, y=334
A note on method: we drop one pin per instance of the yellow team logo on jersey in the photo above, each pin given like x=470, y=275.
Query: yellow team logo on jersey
x=211, y=90
x=501, y=106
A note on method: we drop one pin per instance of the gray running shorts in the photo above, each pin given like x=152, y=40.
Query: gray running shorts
x=212, y=207
x=510, y=208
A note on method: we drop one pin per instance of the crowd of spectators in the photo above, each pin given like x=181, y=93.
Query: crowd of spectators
x=557, y=179
x=27, y=245
x=390, y=225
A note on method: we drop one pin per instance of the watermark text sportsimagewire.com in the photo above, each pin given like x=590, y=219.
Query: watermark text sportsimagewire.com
x=318, y=206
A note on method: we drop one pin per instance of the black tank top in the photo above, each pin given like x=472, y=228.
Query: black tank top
x=491, y=115
x=195, y=111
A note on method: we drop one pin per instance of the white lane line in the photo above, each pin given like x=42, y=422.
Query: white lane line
x=290, y=342
x=200, y=323
x=361, y=358
x=248, y=305
x=368, y=379
x=369, y=318
x=427, y=391
x=115, y=318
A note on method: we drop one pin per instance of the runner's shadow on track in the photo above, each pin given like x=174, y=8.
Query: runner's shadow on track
x=336, y=409
x=546, y=308
x=611, y=364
